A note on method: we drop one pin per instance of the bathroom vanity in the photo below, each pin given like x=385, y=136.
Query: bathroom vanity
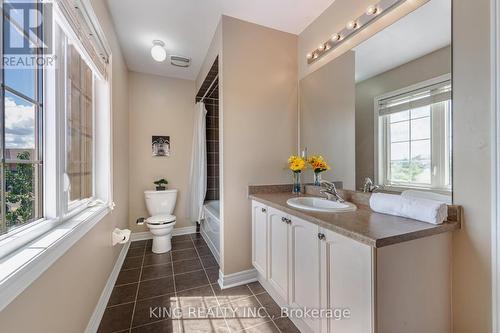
x=381, y=273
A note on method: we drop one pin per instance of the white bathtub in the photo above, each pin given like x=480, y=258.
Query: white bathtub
x=210, y=227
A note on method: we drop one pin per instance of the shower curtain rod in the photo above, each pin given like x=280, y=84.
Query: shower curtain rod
x=210, y=87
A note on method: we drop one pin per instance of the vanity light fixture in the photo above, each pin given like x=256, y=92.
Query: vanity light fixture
x=371, y=14
x=372, y=10
x=158, y=51
x=336, y=38
x=351, y=25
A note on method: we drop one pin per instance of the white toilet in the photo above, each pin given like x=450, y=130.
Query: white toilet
x=160, y=206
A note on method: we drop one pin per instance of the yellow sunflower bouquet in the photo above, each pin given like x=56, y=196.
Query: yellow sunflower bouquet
x=319, y=165
x=296, y=164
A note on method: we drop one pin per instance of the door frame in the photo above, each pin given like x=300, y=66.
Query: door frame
x=495, y=170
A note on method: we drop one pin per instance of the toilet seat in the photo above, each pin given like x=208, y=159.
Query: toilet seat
x=160, y=219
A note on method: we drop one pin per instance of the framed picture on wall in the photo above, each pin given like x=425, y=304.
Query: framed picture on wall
x=160, y=146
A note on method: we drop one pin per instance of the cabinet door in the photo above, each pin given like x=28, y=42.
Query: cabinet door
x=346, y=282
x=278, y=271
x=259, y=238
x=305, y=268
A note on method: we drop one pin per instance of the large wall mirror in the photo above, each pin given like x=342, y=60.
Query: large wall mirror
x=383, y=110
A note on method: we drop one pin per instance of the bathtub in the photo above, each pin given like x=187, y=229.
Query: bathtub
x=210, y=227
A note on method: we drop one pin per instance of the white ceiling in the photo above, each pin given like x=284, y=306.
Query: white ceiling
x=425, y=30
x=187, y=26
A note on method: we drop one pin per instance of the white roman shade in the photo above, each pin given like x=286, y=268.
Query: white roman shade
x=435, y=93
x=82, y=20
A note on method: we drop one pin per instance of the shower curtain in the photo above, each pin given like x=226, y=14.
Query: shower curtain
x=198, y=171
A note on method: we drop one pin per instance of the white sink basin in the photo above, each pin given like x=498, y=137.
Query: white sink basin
x=316, y=204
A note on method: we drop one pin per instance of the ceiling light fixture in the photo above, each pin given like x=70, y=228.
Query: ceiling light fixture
x=158, y=51
x=371, y=14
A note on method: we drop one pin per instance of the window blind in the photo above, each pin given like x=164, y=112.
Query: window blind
x=435, y=93
x=82, y=21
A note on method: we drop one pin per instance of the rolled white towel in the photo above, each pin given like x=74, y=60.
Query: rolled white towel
x=427, y=195
x=420, y=209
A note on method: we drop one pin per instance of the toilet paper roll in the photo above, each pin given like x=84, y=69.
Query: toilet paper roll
x=120, y=236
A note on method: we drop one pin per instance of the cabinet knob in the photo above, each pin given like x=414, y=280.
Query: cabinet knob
x=263, y=210
x=283, y=219
x=288, y=221
x=321, y=236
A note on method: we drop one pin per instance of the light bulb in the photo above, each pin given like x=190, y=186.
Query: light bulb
x=351, y=25
x=336, y=37
x=321, y=47
x=309, y=56
x=372, y=10
x=158, y=51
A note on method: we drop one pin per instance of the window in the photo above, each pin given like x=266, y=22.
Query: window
x=55, y=119
x=79, y=127
x=414, y=136
x=22, y=135
x=55, y=134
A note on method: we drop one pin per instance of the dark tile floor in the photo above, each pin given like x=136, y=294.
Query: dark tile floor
x=178, y=292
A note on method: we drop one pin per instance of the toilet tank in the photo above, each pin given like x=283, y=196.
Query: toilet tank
x=160, y=202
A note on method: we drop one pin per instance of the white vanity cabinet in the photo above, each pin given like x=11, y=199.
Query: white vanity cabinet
x=311, y=268
x=277, y=252
x=305, y=267
x=259, y=239
x=404, y=287
x=346, y=282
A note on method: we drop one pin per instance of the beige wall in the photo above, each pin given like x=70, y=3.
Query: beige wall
x=471, y=166
x=159, y=106
x=327, y=118
x=259, y=122
x=333, y=19
x=424, y=68
x=64, y=297
x=214, y=50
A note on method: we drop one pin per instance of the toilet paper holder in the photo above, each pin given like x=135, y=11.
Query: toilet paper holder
x=120, y=236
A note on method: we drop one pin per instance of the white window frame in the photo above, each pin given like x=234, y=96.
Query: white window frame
x=29, y=250
x=56, y=206
x=70, y=207
x=381, y=143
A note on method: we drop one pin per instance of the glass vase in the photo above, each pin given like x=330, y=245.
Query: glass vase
x=296, y=183
x=317, y=179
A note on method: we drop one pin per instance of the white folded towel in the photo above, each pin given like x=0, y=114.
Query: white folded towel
x=425, y=210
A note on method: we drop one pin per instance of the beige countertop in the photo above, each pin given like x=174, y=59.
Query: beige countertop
x=364, y=225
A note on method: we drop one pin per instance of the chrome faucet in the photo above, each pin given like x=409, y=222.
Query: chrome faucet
x=330, y=190
x=369, y=186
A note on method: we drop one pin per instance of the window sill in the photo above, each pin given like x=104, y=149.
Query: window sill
x=396, y=188
x=26, y=264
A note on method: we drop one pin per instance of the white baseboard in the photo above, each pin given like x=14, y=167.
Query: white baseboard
x=137, y=236
x=95, y=320
x=237, y=279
